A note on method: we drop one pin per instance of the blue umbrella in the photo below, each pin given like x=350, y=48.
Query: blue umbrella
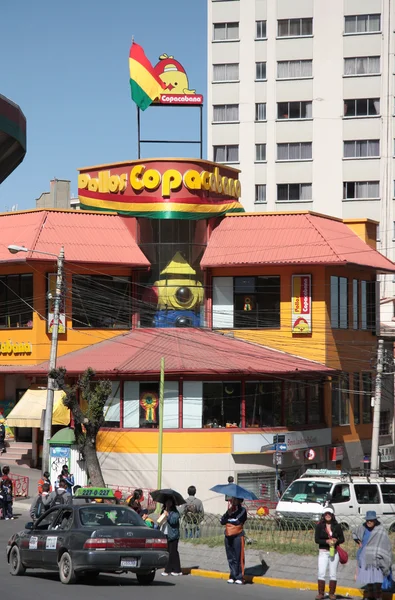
x=233, y=490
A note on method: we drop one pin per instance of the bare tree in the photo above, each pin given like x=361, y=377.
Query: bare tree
x=89, y=419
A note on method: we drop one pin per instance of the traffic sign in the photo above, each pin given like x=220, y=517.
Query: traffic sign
x=282, y=447
x=277, y=458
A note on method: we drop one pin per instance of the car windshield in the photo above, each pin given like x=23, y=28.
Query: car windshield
x=307, y=491
x=109, y=516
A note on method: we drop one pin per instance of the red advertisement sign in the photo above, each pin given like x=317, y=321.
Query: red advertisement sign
x=301, y=304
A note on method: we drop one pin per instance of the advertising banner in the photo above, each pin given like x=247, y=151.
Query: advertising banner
x=301, y=304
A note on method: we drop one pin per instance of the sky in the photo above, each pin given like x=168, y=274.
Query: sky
x=66, y=65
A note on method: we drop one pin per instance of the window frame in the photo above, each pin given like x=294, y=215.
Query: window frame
x=356, y=384
x=226, y=146
x=347, y=185
x=260, y=146
x=355, y=155
x=362, y=116
x=226, y=80
x=257, y=201
x=226, y=27
x=339, y=317
x=300, y=189
x=289, y=35
x=341, y=398
x=259, y=38
x=294, y=104
x=258, y=104
x=288, y=144
x=300, y=61
x=368, y=59
x=258, y=283
x=369, y=15
x=260, y=64
x=226, y=107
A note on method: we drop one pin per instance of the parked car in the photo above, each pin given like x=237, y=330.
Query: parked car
x=88, y=539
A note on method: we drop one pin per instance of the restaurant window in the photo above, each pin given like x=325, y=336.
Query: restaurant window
x=357, y=398
x=221, y=404
x=315, y=403
x=112, y=412
x=296, y=403
x=341, y=400
x=101, y=302
x=367, y=389
x=141, y=405
x=339, y=302
x=256, y=302
x=16, y=301
x=263, y=403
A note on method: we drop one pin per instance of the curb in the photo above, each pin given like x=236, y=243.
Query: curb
x=274, y=582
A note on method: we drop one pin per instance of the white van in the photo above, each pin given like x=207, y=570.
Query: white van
x=350, y=497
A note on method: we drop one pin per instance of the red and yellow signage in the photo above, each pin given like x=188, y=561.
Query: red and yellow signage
x=161, y=188
x=173, y=75
x=301, y=303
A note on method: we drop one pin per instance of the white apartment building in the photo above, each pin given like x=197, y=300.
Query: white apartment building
x=301, y=99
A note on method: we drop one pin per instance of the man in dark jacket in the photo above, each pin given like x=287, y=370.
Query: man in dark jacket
x=234, y=520
x=2, y=437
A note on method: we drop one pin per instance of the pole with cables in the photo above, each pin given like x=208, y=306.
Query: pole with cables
x=374, y=459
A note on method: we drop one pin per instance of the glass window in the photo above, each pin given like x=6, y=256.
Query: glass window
x=355, y=304
x=362, y=65
x=362, y=24
x=385, y=423
x=294, y=69
x=295, y=27
x=362, y=149
x=260, y=193
x=367, y=397
x=294, y=191
x=388, y=492
x=112, y=412
x=149, y=405
x=47, y=521
x=105, y=516
x=315, y=403
x=339, y=302
x=362, y=107
x=355, y=190
x=260, y=152
x=340, y=493
x=221, y=404
x=101, y=301
x=357, y=398
x=296, y=403
x=226, y=154
x=257, y=302
x=341, y=400
x=294, y=110
x=226, y=31
x=295, y=151
x=260, y=111
x=226, y=72
x=260, y=71
x=16, y=301
x=263, y=403
x=260, y=30
x=225, y=112
x=367, y=493
x=307, y=491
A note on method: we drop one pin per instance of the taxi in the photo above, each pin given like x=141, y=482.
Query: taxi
x=91, y=536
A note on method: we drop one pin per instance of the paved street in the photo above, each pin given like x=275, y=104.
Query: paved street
x=123, y=586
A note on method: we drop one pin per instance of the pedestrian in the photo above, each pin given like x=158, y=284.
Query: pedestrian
x=59, y=496
x=374, y=556
x=170, y=525
x=6, y=493
x=135, y=500
x=328, y=535
x=234, y=520
x=2, y=437
x=281, y=484
x=67, y=477
x=192, y=513
x=228, y=499
x=37, y=508
x=44, y=479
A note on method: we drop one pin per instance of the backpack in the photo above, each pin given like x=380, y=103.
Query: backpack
x=6, y=489
x=191, y=512
x=40, y=508
x=58, y=500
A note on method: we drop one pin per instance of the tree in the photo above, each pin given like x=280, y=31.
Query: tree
x=87, y=421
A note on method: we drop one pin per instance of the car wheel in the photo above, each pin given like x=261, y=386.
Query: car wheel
x=145, y=578
x=16, y=565
x=66, y=569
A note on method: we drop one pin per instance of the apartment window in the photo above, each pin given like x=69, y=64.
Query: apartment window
x=226, y=154
x=260, y=30
x=339, y=302
x=16, y=301
x=385, y=422
x=355, y=303
x=362, y=107
x=362, y=65
x=225, y=113
x=294, y=69
x=260, y=193
x=362, y=149
x=341, y=400
x=226, y=72
x=260, y=152
x=256, y=302
x=295, y=27
x=362, y=24
x=226, y=31
x=90, y=293
x=294, y=151
x=294, y=191
x=260, y=71
x=357, y=398
x=354, y=190
x=368, y=305
x=260, y=111
x=294, y=110
x=367, y=389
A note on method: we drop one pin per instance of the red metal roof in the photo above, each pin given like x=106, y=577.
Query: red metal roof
x=87, y=237
x=304, y=239
x=186, y=351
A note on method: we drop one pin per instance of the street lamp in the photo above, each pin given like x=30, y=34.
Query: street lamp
x=54, y=346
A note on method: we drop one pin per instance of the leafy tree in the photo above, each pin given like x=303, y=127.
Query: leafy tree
x=89, y=418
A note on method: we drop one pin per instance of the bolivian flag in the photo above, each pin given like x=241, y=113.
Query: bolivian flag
x=145, y=85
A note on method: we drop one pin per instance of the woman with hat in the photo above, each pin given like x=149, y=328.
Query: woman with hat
x=374, y=557
x=328, y=535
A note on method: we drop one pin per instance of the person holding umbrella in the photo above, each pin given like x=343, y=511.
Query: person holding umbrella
x=169, y=523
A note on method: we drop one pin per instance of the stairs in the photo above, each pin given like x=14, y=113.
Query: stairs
x=18, y=453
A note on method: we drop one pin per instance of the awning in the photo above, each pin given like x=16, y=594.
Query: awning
x=27, y=412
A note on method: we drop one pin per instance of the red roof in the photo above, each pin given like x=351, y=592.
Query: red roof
x=87, y=237
x=275, y=239
x=186, y=351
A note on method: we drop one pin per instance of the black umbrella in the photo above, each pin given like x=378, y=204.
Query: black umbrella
x=163, y=495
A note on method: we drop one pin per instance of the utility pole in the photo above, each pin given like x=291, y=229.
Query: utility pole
x=374, y=459
x=160, y=440
x=52, y=361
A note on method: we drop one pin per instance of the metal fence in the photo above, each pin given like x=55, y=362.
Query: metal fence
x=20, y=485
x=268, y=533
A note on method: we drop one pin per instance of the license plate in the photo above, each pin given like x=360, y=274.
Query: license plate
x=128, y=562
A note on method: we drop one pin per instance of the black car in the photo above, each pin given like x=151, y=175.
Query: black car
x=84, y=540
